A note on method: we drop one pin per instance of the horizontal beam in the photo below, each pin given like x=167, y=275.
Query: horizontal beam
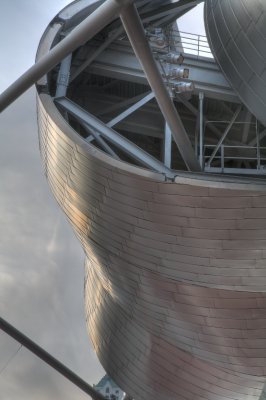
x=114, y=137
x=235, y=171
x=119, y=62
x=79, y=35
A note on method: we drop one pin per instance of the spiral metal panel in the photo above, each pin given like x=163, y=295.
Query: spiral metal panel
x=237, y=34
x=175, y=270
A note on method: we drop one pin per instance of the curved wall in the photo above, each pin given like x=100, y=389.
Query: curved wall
x=236, y=32
x=175, y=285
x=175, y=270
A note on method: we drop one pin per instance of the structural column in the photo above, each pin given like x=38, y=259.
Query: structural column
x=137, y=37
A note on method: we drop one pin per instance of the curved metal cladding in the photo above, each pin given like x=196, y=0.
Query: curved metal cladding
x=175, y=270
x=236, y=32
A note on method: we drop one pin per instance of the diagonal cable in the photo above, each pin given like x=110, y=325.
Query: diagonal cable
x=10, y=359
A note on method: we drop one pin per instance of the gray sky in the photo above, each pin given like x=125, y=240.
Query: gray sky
x=41, y=262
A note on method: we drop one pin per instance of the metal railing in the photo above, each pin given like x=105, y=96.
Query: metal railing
x=246, y=154
x=191, y=43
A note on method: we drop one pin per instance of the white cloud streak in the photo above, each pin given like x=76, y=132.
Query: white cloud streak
x=41, y=262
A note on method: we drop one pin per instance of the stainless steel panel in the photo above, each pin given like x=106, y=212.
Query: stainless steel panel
x=151, y=244
x=175, y=276
x=236, y=33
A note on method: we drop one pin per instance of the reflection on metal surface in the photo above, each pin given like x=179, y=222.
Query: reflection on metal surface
x=175, y=272
x=236, y=32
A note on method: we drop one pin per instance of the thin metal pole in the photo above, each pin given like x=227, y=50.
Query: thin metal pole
x=254, y=140
x=225, y=134
x=167, y=146
x=222, y=158
x=80, y=35
x=246, y=128
x=195, y=111
x=258, y=145
x=136, y=35
x=50, y=360
x=201, y=124
x=196, y=149
x=198, y=45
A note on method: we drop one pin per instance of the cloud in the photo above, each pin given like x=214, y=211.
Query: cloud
x=41, y=261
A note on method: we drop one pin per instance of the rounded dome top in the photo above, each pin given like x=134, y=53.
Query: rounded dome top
x=236, y=32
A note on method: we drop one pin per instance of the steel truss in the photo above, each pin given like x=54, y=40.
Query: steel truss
x=207, y=151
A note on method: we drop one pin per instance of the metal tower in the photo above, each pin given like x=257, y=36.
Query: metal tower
x=155, y=150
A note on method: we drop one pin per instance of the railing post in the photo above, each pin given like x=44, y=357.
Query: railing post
x=198, y=45
x=229, y=126
x=222, y=157
x=201, y=156
x=167, y=146
x=258, y=145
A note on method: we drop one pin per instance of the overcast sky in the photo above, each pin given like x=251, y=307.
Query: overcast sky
x=41, y=262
